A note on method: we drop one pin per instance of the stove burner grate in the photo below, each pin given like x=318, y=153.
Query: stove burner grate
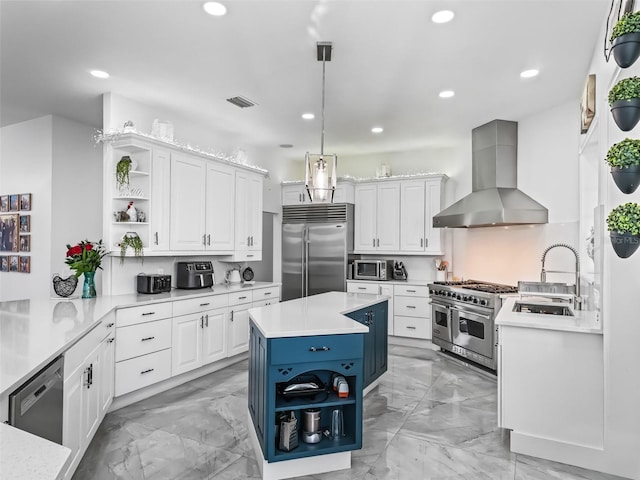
x=480, y=286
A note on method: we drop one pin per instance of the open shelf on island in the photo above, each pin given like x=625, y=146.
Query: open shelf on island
x=318, y=400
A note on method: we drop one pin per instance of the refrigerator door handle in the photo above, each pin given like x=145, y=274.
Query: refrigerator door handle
x=305, y=292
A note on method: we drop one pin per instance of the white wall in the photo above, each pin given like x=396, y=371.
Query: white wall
x=55, y=160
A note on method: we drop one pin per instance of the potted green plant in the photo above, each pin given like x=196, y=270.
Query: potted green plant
x=624, y=99
x=624, y=160
x=625, y=39
x=123, y=167
x=623, y=224
x=131, y=240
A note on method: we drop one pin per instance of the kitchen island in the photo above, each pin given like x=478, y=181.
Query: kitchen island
x=551, y=381
x=318, y=335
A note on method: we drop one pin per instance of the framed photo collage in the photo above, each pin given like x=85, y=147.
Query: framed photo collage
x=15, y=232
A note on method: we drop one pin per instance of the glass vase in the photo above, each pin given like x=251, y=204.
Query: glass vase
x=89, y=286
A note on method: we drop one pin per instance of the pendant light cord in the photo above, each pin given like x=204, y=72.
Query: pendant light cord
x=322, y=135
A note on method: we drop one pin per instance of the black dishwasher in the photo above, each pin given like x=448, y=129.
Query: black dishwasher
x=36, y=407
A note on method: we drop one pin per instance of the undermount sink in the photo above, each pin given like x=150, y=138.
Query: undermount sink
x=543, y=309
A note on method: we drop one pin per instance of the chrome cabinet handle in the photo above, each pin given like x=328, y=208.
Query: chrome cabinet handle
x=148, y=313
x=421, y=242
x=208, y=239
x=248, y=240
x=207, y=320
x=204, y=239
x=411, y=328
x=109, y=325
x=111, y=340
x=426, y=242
x=146, y=339
x=374, y=242
x=156, y=235
x=319, y=349
x=249, y=256
x=362, y=288
x=147, y=371
x=411, y=306
x=267, y=293
x=204, y=304
x=411, y=291
x=232, y=315
x=378, y=242
x=241, y=298
x=202, y=321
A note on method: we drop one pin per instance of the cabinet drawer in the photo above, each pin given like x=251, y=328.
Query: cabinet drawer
x=143, y=338
x=195, y=305
x=76, y=355
x=142, y=371
x=354, y=287
x=411, y=327
x=264, y=303
x=411, y=306
x=411, y=290
x=271, y=293
x=238, y=298
x=145, y=313
x=317, y=348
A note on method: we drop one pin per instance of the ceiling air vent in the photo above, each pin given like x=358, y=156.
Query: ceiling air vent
x=241, y=102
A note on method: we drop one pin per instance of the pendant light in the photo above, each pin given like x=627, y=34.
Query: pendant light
x=320, y=180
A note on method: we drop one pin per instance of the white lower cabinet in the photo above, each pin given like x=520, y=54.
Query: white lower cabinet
x=239, y=305
x=199, y=338
x=140, y=372
x=88, y=390
x=382, y=288
x=411, y=311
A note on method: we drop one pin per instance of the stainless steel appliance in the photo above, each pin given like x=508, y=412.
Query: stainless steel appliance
x=36, y=407
x=316, y=242
x=194, y=275
x=153, y=283
x=463, y=318
x=373, y=269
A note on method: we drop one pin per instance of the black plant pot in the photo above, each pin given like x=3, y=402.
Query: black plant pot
x=626, y=49
x=624, y=244
x=626, y=113
x=627, y=178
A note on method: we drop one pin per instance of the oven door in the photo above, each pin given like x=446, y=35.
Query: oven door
x=473, y=330
x=441, y=321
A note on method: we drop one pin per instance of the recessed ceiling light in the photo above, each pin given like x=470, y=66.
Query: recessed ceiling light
x=214, y=8
x=446, y=94
x=308, y=116
x=443, y=16
x=529, y=73
x=377, y=129
x=99, y=74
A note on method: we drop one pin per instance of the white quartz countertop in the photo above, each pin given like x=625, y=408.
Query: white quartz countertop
x=583, y=321
x=34, y=332
x=322, y=314
x=29, y=457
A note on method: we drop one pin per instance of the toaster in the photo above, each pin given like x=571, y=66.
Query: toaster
x=194, y=275
x=153, y=283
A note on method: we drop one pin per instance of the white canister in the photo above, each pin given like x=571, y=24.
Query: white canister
x=441, y=275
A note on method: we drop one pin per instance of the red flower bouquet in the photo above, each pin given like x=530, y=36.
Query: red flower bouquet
x=85, y=257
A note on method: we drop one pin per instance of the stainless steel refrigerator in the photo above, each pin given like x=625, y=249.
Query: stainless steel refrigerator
x=316, y=242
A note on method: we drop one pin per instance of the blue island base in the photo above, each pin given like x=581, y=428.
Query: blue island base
x=297, y=467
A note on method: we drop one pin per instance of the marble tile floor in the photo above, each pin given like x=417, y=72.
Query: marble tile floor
x=429, y=418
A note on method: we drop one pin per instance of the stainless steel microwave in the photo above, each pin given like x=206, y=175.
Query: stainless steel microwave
x=373, y=269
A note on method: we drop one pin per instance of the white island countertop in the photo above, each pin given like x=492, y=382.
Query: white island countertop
x=322, y=314
x=582, y=321
x=34, y=332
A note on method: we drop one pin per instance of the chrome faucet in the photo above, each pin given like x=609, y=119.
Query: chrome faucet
x=577, y=299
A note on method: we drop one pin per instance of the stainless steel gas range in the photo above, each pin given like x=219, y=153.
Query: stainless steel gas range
x=463, y=315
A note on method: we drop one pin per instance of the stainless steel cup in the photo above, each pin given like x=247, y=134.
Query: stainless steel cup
x=311, y=420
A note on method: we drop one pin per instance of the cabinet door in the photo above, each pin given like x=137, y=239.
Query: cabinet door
x=220, y=207
x=214, y=336
x=72, y=421
x=365, y=218
x=188, y=193
x=433, y=236
x=107, y=369
x=239, y=329
x=294, y=195
x=160, y=200
x=412, y=216
x=91, y=406
x=379, y=318
x=254, y=213
x=242, y=198
x=186, y=348
x=388, y=217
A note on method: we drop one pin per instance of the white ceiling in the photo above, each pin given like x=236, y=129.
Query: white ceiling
x=389, y=63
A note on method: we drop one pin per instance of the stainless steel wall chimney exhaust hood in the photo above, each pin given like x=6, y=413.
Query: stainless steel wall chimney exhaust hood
x=495, y=199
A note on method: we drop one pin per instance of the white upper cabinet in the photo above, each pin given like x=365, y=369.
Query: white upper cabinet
x=248, y=210
x=188, y=202
x=220, y=207
x=377, y=217
x=161, y=201
x=296, y=193
x=420, y=200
